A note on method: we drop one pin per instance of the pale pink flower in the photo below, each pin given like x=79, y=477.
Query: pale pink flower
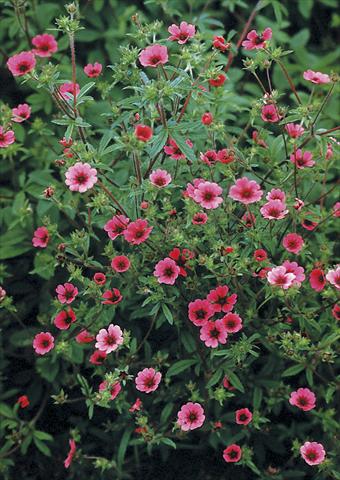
x=41, y=237
x=160, y=178
x=114, y=389
x=313, y=453
x=316, y=77
x=153, y=56
x=109, y=340
x=45, y=45
x=66, y=293
x=191, y=187
x=43, y=342
x=303, y=398
x=166, y=271
x=245, y=191
x=21, y=113
x=256, y=41
x=302, y=159
x=274, y=210
x=207, y=195
x=81, y=177
x=190, y=416
x=6, y=138
x=279, y=277
x=333, y=276
x=213, y=333
x=181, y=33
x=293, y=243
x=294, y=130
x=294, y=267
x=147, y=380
x=276, y=194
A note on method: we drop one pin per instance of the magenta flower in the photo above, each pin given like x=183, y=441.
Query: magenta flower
x=200, y=218
x=303, y=398
x=6, y=138
x=213, y=333
x=207, y=195
x=317, y=279
x=279, y=277
x=41, y=237
x=64, y=319
x=256, y=41
x=45, y=45
x=43, y=342
x=114, y=389
x=276, y=194
x=246, y=191
x=232, y=322
x=21, y=113
x=71, y=453
x=293, y=267
x=220, y=300
x=302, y=159
x=116, y=226
x=167, y=271
x=147, y=380
x=333, y=276
x=143, y=133
x=293, y=243
x=200, y=311
x=93, y=70
x=69, y=88
x=160, y=178
x=120, y=264
x=269, y=113
x=274, y=210
x=153, y=56
x=294, y=130
x=109, y=340
x=66, y=293
x=243, y=416
x=313, y=453
x=81, y=177
x=21, y=64
x=174, y=151
x=316, y=77
x=232, y=453
x=137, y=232
x=112, y=297
x=190, y=416
x=182, y=33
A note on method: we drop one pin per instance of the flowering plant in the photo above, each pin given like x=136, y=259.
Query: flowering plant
x=189, y=279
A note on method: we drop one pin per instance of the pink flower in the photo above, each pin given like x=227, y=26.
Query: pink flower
x=303, y=398
x=302, y=159
x=313, y=453
x=220, y=300
x=160, y=178
x=45, y=45
x=200, y=218
x=116, y=226
x=93, y=70
x=143, y=132
x=220, y=44
x=68, y=88
x=71, y=453
x=66, y=293
x=190, y=190
x=147, y=380
x=294, y=130
x=200, y=311
x=336, y=210
x=99, y=278
x=317, y=279
x=269, y=113
x=232, y=453
x=21, y=64
x=256, y=41
x=232, y=322
x=333, y=276
x=225, y=156
x=218, y=81
x=243, y=416
x=41, y=237
x=274, y=210
x=259, y=141
x=114, y=389
x=153, y=56
x=213, y=333
x=245, y=191
x=293, y=267
x=97, y=357
x=207, y=118
x=137, y=232
x=23, y=401
x=260, y=255
x=209, y=157
x=112, y=297
x=336, y=311
x=190, y=416
x=181, y=33
x=84, y=337
x=316, y=77
x=207, y=195
x=43, y=342
x=64, y=319
x=81, y=177
x=109, y=340
x=136, y=406
x=166, y=271
x=6, y=138
x=279, y=277
x=21, y=113
x=174, y=151
x=120, y=264
x=293, y=243
x=276, y=194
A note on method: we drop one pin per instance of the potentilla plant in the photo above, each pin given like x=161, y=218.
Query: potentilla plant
x=192, y=284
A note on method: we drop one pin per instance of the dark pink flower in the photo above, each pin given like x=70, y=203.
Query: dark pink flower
x=167, y=271
x=190, y=416
x=336, y=311
x=303, y=398
x=97, y=357
x=207, y=195
x=294, y=130
x=182, y=33
x=93, y=70
x=109, y=340
x=66, y=293
x=137, y=232
x=41, y=237
x=299, y=204
x=225, y=155
x=21, y=64
x=220, y=300
x=200, y=218
x=71, y=453
x=21, y=113
x=99, y=278
x=153, y=56
x=232, y=322
x=207, y=118
x=259, y=141
x=302, y=159
x=317, y=279
x=6, y=138
x=293, y=243
x=112, y=297
x=260, y=255
x=220, y=44
x=120, y=264
x=245, y=191
x=147, y=380
x=209, y=157
x=174, y=151
x=143, y=132
x=114, y=389
x=336, y=210
x=45, y=45
x=213, y=333
x=316, y=77
x=160, y=178
x=43, y=342
x=64, y=319
x=269, y=113
x=256, y=41
x=249, y=219
x=136, y=406
x=200, y=311
x=313, y=453
x=81, y=177
x=232, y=453
x=84, y=337
x=243, y=416
x=181, y=258
x=116, y=226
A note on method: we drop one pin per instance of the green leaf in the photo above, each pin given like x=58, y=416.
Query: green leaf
x=168, y=442
x=294, y=370
x=235, y=381
x=158, y=142
x=180, y=366
x=123, y=447
x=86, y=88
x=257, y=398
x=43, y=435
x=215, y=378
x=42, y=447
x=167, y=313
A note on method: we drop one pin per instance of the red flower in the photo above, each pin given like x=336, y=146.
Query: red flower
x=225, y=156
x=317, y=279
x=220, y=44
x=136, y=406
x=232, y=453
x=112, y=297
x=64, y=319
x=243, y=416
x=181, y=259
x=217, y=81
x=143, y=133
x=260, y=255
x=23, y=401
x=336, y=311
x=207, y=118
x=174, y=151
